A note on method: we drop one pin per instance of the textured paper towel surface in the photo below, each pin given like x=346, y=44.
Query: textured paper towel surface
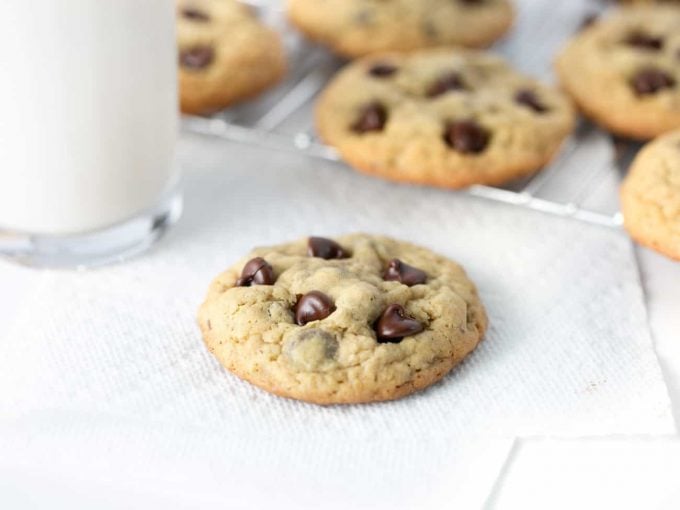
x=107, y=368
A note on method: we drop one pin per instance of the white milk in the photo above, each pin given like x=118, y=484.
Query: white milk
x=88, y=112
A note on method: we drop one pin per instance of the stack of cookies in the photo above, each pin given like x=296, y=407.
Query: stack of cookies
x=364, y=318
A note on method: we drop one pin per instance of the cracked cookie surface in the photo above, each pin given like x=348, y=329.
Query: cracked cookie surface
x=355, y=28
x=342, y=329
x=225, y=54
x=650, y=196
x=448, y=118
x=623, y=71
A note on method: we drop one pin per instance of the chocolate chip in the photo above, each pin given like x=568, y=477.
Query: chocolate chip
x=394, y=324
x=398, y=271
x=644, y=41
x=382, y=70
x=310, y=349
x=588, y=21
x=650, y=81
x=325, y=249
x=430, y=30
x=372, y=117
x=528, y=98
x=446, y=83
x=364, y=17
x=466, y=136
x=256, y=272
x=194, y=14
x=313, y=306
x=472, y=2
x=197, y=57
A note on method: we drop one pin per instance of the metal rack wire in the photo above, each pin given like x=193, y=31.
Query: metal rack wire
x=581, y=183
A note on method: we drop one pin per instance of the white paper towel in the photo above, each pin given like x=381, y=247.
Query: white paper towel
x=105, y=380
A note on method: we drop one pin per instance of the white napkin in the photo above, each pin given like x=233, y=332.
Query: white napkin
x=104, y=380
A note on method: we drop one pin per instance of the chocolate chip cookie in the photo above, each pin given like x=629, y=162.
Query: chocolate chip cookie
x=624, y=71
x=358, y=318
x=358, y=27
x=225, y=54
x=650, y=196
x=449, y=118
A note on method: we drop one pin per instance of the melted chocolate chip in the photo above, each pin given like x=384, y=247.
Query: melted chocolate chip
x=466, y=136
x=472, y=2
x=364, y=17
x=309, y=349
x=528, y=98
x=644, y=41
x=313, y=306
x=197, y=57
x=394, y=324
x=325, y=249
x=446, y=83
x=372, y=117
x=256, y=272
x=193, y=14
x=397, y=271
x=430, y=29
x=650, y=81
x=382, y=70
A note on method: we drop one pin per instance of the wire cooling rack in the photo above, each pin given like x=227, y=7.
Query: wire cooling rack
x=581, y=183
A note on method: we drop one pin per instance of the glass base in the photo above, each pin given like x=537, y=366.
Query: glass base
x=91, y=249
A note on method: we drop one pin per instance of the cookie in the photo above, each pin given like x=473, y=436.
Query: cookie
x=225, y=54
x=624, y=71
x=360, y=318
x=354, y=28
x=442, y=117
x=650, y=196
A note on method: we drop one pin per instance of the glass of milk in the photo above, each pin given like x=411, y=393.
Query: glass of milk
x=88, y=122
